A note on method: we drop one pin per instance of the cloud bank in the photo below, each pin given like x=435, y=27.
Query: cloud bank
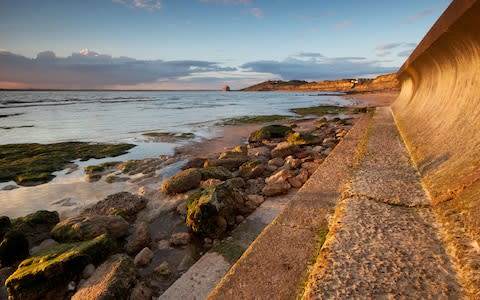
x=142, y=4
x=91, y=70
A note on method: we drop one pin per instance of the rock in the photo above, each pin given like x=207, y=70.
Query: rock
x=236, y=182
x=180, y=239
x=292, y=163
x=45, y=244
x=5, y=226
x=220, y=173
x=114, y=279
x=257, y=199
x=302, y=176
x=329, y=142
x=284, y=149
x=271, y=168
x=303, y=138
x=88, y=271
x=141, y=292
x=322, y=122
x=122, y=204
x=51, y=271
x=273, y=189
x=182, y=209
x=139, y=239
x=163, y=269
x=235, y=152
x=259, y=151
x=327, y=151
x=295, y=182
x=239, y=219
x=163, y=244
x=318, y=149
x=310, y=167
x=36, y=226
x=210, y=210
x=277, y=161
x=83, y=228
x=143, y=257
x=114, y=178
x=10, y=187
x=228, y=163
x=186, y=263
x=71, y=286
x=254, y=186
x=13, y=247
x=269, y=132
x=252, y=169
x=195, y=162
x=280, y=176
x=182, y=181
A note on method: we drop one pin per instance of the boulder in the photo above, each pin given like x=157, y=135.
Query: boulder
x=83, y=228
x=220, y=173
x=259, y=151
x=284, y=149
x=45, y=244
x=310, y=167
x=239, y=151
x=257, y=199
x=195, y=162
x=210, y=183
x=252, y=169
x=280, y=177
x=143, y=257
x=13, y=247
x=46, y=275
x=236, y=182
x=209, y=211
x=302, y=176
x=180, y=239
x=182, y=181
x=278, y=188
x=114, y=279
x=303, y=138
x=163, y=269
x=269, y=132
x=254, y=186
x=88, y=271
x=36, y=226
x=122, y=204
x=277, y=162
x=228, y=163
x=141, y=292
x=292, y=163
x=139, y=239
x=295, y=182
x=5, y=226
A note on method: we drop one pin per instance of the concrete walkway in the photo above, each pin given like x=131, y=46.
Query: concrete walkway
x=383, y=243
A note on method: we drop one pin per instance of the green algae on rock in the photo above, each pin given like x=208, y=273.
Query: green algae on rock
x=182, y=181
x=33, y=164
x=303, y=138
x=269, y=132
x=329, y=110
x=13, y=247
x=53, y=268
x=254, y=119
x=220, y=173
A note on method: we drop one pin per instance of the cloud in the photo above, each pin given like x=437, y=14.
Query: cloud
x=257, y=12
x=390, y=46
x=343, y=25
x=386, y=49
x=142, y=4
x=319, y=68
x=405, y=53
x=421, y=14
x=226, y=1
x=89, y=69
x=309, y=54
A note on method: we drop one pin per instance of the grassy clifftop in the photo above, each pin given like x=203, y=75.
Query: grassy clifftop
x=382, y=82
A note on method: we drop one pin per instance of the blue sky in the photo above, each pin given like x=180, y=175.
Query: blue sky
x=203, y=44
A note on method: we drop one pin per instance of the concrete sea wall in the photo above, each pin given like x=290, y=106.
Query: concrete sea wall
x=438, y=114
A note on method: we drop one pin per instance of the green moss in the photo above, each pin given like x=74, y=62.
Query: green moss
x=330, y=110
x=215, y=172
x=182, y=136
x=101, y=168
x=269, y=132
x=229, y=250
x=303, y=138
x=33, y=164
x=38, y=217
x=250, y=164
x=56, y=265
x=129, y=165
x=254, y=119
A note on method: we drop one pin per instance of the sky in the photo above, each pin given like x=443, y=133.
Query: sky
x=204, y=44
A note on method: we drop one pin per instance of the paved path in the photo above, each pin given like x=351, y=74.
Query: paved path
x=383, y=243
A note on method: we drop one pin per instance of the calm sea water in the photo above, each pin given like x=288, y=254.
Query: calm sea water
x=47, y=117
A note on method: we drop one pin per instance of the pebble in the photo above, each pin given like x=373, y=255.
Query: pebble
x=143, y=257
x=180, y=239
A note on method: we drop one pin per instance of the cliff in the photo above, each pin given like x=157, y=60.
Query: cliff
x=382, y=82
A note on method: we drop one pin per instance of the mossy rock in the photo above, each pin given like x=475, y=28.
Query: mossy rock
x=231, y=163
x=254, y=119
x=220, y=173
x=321, y=110
x=252, y=169
x=36, y=226
x=14, y=247
x=33, y=164
x=182, y=181
x=53, y=268
x=303, y=138
x=269, y=132
x=234, y=152
x=86, y=227
x=211, y=210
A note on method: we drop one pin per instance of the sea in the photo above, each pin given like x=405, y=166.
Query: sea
x=121, y=117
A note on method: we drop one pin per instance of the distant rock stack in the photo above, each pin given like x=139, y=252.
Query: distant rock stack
x=226, y=88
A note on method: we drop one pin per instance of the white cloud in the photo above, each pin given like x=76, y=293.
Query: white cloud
x=142, y=4
x=386, y=49
x=257, y=12
x=421, y=14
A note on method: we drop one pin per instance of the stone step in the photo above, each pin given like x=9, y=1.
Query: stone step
x=384, y=242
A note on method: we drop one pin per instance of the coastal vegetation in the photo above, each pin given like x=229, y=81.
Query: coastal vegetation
x=254, y=119
x=329, y=110
x=170, y=135
x=33, y=164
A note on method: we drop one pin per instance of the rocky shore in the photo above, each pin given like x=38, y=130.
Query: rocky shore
x=135, y=245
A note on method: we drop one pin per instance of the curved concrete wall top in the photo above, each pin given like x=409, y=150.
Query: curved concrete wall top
x=438, y=113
